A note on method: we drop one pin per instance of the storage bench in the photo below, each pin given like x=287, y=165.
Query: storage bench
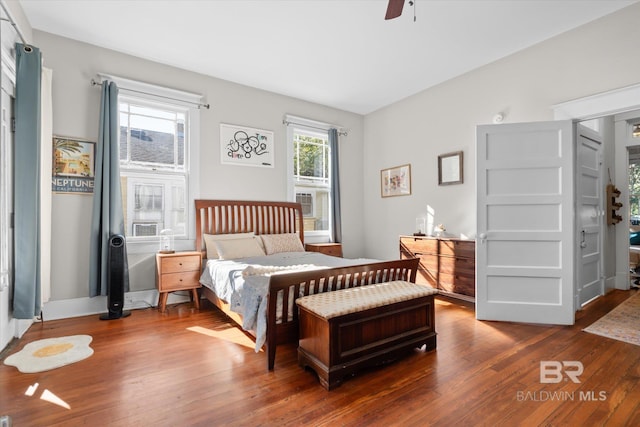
x=345, y=330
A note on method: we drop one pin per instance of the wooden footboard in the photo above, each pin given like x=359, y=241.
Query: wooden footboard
x=287, y=287
x=260, y=217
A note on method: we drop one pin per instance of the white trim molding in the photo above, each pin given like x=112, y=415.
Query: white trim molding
x=599, y=105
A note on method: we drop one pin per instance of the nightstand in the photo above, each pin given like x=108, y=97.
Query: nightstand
x=177, y=272
x=333, y=249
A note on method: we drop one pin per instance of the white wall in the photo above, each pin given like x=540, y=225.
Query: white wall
x=76, y=107
x=595, y=58
x=592, y=59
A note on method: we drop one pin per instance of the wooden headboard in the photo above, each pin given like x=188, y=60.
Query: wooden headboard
x=246, y=216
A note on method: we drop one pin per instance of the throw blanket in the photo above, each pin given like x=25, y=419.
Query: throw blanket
x=244, y=283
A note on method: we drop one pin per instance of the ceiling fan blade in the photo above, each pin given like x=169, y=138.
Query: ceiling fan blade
x=394, y=9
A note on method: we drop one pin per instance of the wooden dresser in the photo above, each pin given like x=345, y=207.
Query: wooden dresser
x=445, y=263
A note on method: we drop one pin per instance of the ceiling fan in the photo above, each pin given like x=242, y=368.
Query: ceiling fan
x=394, y=8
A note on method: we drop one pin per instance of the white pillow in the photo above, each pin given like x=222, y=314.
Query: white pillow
x=275, y=243
x=238, y=248
x=211, y=239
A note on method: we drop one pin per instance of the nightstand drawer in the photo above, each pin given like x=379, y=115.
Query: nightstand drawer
x=180, y=264
x=178, y=281
x=333, y=249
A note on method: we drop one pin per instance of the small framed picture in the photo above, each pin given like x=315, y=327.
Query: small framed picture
x=450, y=168
x=396, y=181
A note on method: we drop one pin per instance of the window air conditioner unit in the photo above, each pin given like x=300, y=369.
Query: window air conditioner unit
x=145, y=229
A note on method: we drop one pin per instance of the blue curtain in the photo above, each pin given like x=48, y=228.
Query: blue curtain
x=108, y=218
x=26, y=296
x=336, y=219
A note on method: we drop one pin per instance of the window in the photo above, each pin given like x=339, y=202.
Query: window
x=634, y=187
x=153, y=167
x=311, y=178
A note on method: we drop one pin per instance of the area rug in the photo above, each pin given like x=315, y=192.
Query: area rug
x=51, y=353
x=622, y=323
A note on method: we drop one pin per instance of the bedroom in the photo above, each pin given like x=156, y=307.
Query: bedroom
x=446, y=115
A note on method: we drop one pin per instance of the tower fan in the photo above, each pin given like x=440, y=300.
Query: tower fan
x=116, y=277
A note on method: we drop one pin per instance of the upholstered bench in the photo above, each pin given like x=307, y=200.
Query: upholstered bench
x=345, y=330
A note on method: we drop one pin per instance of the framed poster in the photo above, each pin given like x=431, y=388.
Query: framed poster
x=73, y=165
x=396, y=181
x=450, y=168
x=245, y=146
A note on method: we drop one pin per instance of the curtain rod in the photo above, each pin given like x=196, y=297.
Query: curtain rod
x=199, y=104
x=340, y=132
x=10, y=20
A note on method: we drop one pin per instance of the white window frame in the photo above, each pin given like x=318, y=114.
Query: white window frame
x=310, y=126
x=171, y=97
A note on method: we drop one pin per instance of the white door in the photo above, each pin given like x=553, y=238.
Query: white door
x=589, y=216
x=525, y=244
x=7, y=324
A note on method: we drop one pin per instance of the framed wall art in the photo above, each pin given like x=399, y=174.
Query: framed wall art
x=450, y=168
x=396, y=181
x=246, y=146
x=73, y=165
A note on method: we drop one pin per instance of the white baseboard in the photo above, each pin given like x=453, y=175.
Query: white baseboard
x=76, y=307
x=609, y=284
x=622, y=281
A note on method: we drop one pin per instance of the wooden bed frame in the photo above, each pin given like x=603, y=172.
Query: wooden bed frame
x=260, y=217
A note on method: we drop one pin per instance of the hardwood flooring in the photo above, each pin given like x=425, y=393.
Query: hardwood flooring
x=188, y=367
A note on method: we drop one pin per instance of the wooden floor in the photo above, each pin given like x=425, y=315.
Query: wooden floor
x=194, y=368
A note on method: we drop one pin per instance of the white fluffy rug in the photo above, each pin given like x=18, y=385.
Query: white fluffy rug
x=51, y=353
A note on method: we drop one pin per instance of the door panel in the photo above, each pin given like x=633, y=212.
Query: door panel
x=590, y=217
x=525, y=200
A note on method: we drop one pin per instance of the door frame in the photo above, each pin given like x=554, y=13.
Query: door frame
x=623, y=123
x=619, y=103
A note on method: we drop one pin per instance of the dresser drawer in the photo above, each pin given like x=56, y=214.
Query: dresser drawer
x=418, y=245
x=460, y=248
x=458, y=284
x=178, y=281
x=180, y=264
x=333, y=249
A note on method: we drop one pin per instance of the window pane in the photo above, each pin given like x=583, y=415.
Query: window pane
x=315, y=207
x=634, y=193
x=311, y=178
x=152, y=204
x=152, y=136
x=311, y=160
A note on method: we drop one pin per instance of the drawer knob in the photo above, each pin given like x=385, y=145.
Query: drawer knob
x=180, y=263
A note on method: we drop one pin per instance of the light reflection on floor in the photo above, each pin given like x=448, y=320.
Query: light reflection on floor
x=46, y=396
x=230, y=334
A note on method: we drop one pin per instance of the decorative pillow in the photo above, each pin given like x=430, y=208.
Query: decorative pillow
x=275, y=243
x=238, y=248
x=211, y=239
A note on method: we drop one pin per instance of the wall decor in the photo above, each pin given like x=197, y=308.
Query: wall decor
x=242, y=145
x=450, y=168
x=73, y=165
x=396, y=181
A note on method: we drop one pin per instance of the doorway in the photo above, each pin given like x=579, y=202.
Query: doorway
x=633, y=154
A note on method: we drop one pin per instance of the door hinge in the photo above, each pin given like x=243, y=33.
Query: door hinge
x=11, y=220
x=13, y=125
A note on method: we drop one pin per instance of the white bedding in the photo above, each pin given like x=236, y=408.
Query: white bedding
x=244, y=283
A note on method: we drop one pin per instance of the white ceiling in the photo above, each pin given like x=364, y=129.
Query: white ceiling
x=340, y=53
